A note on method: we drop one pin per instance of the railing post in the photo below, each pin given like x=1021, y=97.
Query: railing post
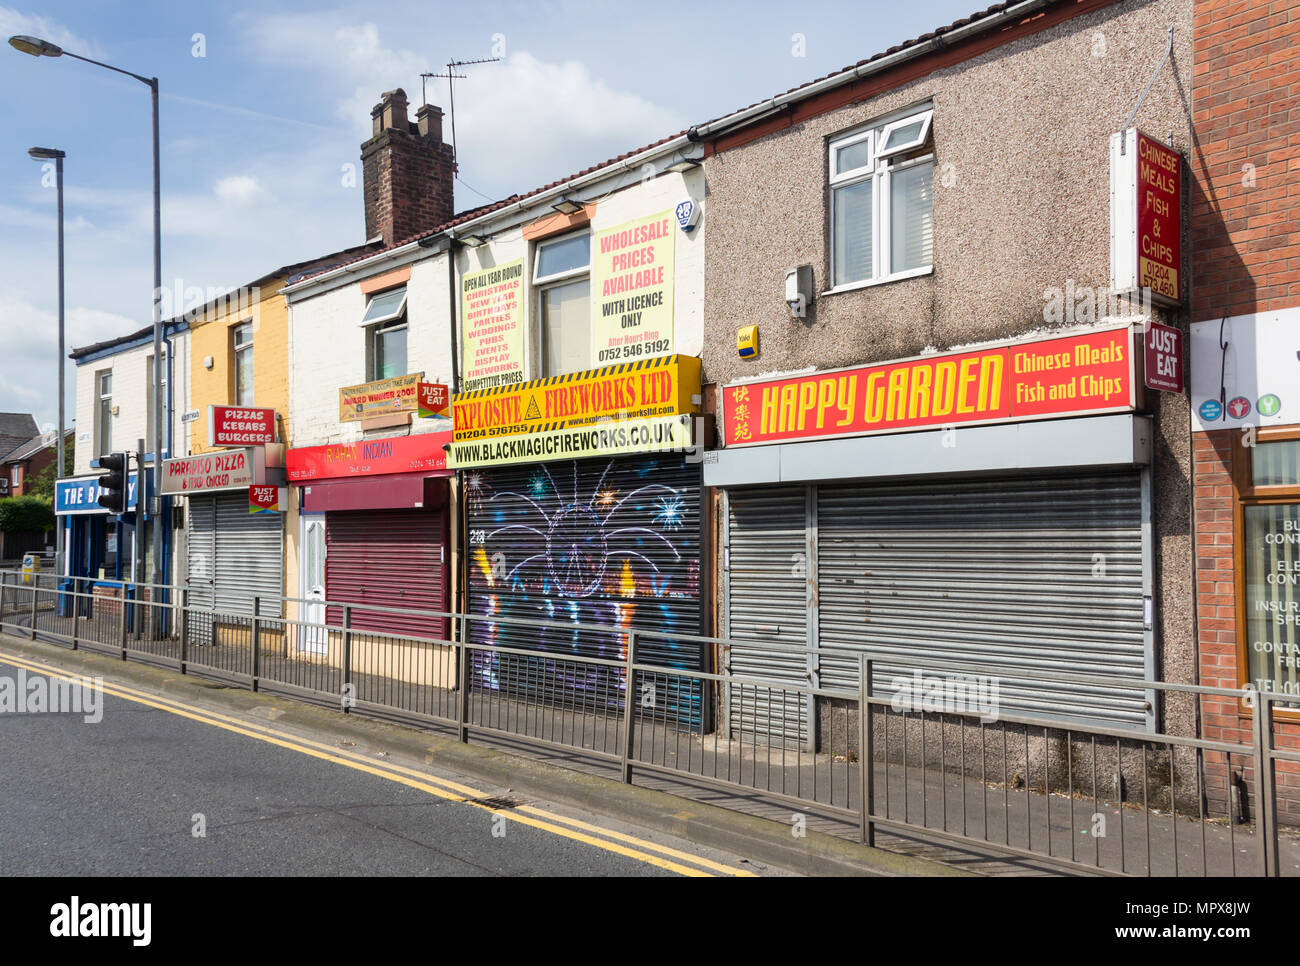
x=1265, y=805
x=4, y=596
x=257, y=641
x=347, y=658
x=75, y=606
x=462, y=681
x=866, y=754
x=121, y=623
x=184, y=624
x=36, y=583
x=629, y=704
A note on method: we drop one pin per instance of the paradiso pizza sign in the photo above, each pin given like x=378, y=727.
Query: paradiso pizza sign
x=1073, y=375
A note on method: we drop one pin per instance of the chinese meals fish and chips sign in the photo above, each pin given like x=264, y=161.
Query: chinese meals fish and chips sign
x=1146, y=215
x=381, y=398
x=637, y=407
x=632, y=289
x=492, y=320
x=240, y=426
x=1073, y=375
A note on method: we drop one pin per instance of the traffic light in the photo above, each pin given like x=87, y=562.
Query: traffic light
x=113, y=483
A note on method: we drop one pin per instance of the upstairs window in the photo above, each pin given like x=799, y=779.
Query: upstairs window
x=241, y=341
x=561, y=275
x=385, y=322
x=104, y=412
x=881, y=181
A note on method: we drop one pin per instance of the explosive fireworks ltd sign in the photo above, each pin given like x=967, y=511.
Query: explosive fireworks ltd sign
x=666, y=386
x=1068, y=376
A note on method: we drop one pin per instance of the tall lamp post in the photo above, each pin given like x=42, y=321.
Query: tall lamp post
x=43, y=48
x=57, y=156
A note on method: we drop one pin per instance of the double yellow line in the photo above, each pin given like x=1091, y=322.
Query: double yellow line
x=609, y=840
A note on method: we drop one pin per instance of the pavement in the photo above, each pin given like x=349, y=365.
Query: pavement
x=278, y=786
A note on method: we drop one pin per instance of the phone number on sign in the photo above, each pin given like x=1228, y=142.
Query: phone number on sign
x=633, y=351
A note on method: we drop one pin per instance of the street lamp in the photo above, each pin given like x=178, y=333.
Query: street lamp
x=43, y=48
x=57, y=156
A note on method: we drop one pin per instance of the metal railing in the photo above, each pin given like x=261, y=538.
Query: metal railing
x=1080, y=796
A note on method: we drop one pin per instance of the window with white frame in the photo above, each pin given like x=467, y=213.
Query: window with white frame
x=562, y=278
x=104, y=411
x=881, y=185
x=385, y=322
x=241, y=342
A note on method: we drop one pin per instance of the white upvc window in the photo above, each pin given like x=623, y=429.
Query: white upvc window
x=241, y=343
x=881, y=186
x=386, y=326
x=562, y=279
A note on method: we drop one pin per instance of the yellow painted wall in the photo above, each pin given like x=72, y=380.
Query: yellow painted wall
x=210, y=336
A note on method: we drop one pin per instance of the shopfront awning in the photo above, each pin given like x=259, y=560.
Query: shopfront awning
x=1093, y=442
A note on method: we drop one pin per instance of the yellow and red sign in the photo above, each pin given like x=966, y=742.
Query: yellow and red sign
x=1067, y=376
x=665, y=386
x=381, y=398
x=1159, y=201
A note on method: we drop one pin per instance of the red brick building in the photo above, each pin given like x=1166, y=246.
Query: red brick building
x=1245, y=371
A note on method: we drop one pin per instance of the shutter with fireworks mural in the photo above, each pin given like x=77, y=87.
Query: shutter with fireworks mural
x=608, y=542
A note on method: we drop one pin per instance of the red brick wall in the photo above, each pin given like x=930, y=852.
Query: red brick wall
x=1246, y=110
x=407, y=184
x=1216, y=603
x=1245, y=236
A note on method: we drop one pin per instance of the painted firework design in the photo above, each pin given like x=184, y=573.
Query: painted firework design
x=610, y=543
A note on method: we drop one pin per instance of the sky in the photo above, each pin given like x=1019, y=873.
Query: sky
x=264, y=106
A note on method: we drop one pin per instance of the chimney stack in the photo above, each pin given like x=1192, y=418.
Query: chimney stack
x=407, y=171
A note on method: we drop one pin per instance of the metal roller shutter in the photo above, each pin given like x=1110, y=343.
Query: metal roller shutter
x=231, y=557
x=388, y=558
x=767, y=601
x=610, y=541
x=1016, y=573
x=201, y=549
x=250, y=557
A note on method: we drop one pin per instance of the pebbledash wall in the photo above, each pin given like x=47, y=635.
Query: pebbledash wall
x=1022, y=117
x=1245, y=392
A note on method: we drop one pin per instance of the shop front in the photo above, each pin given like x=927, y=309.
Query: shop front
x=582, y=507
x=234, y=553
x=375, y=529
x=100, y=546
x=989, y=506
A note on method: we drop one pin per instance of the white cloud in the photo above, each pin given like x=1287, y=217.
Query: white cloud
x=16, y=22
x=241, y=190
x=520, y=123
x=31, y=348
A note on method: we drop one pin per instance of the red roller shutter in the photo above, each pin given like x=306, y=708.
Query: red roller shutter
x=389, y=558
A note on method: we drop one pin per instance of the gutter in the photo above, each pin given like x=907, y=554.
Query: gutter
x=699, y=132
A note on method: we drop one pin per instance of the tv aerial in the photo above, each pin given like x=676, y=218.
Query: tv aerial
x=451, y=76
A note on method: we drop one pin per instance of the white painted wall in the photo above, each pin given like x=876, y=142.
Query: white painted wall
x=327, y=351
x=638, y=200
x=131, y=371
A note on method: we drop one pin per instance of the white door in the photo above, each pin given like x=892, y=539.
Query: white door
x=311, y=636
